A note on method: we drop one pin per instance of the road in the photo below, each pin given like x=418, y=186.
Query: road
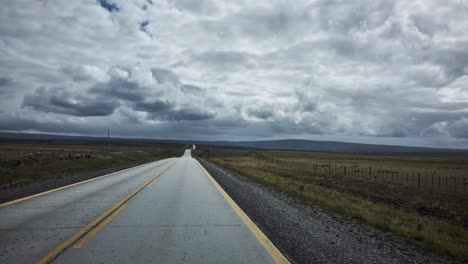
x=169, y=211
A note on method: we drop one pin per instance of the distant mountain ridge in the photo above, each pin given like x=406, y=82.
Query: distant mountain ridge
x=335, y=146
x=285, y=144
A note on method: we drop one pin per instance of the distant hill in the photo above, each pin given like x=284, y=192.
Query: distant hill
x=287, y=144
x=341, y=147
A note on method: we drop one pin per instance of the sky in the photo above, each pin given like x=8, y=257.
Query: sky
x=369, y=71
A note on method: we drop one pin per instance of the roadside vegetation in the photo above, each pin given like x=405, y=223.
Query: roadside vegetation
x=25, y=161
x=437, y=218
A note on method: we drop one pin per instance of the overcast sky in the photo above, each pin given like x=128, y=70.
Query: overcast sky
x=393, y=71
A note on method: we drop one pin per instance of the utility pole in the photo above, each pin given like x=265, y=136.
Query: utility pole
x=108, y=137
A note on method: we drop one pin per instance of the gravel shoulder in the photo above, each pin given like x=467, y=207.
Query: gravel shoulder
x=308, y=234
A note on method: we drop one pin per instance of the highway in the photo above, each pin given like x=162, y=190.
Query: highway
x=169, y=211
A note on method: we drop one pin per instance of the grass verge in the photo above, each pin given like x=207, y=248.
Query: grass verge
x=22, y=163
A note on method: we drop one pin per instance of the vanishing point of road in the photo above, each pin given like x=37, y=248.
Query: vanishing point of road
x=168, y=211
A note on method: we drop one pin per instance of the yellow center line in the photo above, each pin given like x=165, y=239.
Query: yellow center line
x=151, y=183
x=98, y=228
x=67, y=243
x=274, y=252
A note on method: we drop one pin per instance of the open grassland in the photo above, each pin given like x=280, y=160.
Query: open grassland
x=26, y=161
x=437, y=218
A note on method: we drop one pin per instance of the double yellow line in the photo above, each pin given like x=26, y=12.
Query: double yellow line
x=88, y=231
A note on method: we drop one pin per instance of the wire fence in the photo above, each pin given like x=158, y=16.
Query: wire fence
x=428, y=180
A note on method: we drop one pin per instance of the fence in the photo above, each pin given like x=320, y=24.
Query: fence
x=432, y=181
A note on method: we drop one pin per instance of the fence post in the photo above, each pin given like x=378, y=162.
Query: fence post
x=419, y=179
x=446, y=183
x=455, y=184
x=432, y=181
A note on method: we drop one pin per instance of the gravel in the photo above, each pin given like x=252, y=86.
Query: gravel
x=307, y=234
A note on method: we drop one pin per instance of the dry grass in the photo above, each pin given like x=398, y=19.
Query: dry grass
x=23, y=163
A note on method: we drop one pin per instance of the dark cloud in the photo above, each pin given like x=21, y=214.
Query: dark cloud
x=163, y=130
x=227, y=59
x=7, y=88
x=153, y=107
x=56, y=101
x=119, y=88
x=427, y=25
x=459, y=128
x=452, y=59
x=109, y=6
x=192, y=89
x=164, y=75
x=187, y=114
x=5, y=85
x=4, y=81
x=262, y=112
x=27, y=124
x=164, y=110
x=143, y=26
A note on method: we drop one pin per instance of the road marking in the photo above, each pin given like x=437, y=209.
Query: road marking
x=149, y=185
x=98, y=228
x=67, y=243
x=262, y=238
x=67, y=186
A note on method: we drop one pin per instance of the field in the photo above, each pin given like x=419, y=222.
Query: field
x=437, y=175
x=26, y=161
x=425, y=199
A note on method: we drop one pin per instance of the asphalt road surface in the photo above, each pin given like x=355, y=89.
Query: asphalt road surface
x=169, y=211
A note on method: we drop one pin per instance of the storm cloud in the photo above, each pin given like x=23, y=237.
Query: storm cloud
x=57, y=101
x=370, y=71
